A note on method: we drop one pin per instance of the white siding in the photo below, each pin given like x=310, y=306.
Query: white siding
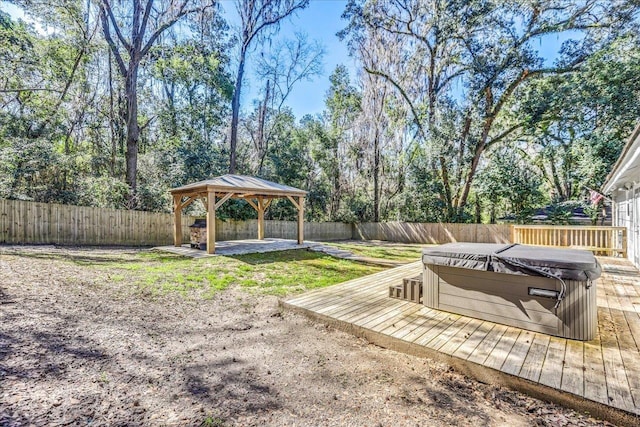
x=627, y=214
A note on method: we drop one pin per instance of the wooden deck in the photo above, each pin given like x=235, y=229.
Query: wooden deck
x=601, y=376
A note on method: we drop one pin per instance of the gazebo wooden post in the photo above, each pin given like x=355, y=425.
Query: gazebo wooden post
x=177, y=223
x=260, y=218
x=300, y=220
x=211, y=222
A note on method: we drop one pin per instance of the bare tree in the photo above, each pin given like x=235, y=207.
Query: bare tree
x=256, y=18
x=288, y=63
x=374, y=121
x=144, y=24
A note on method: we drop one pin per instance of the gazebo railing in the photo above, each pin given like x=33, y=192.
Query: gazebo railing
x=600, y=240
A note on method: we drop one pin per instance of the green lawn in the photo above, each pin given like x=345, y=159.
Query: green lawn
x=395, y=252
x=275, y=273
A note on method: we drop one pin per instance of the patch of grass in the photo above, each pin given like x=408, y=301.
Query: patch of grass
x=274, y=273
x=282, y=273
x=394, y=253
x=213, y=422
x=103, y=377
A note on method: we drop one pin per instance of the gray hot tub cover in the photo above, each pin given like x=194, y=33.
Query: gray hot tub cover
x=563, y=264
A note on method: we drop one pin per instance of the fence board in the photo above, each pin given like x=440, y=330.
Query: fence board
x=600, y=240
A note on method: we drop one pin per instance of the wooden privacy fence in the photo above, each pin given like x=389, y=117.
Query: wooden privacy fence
x=23, y=222
x=600, y=240
x=248, y=229
x=49, y=223
x=432, y=233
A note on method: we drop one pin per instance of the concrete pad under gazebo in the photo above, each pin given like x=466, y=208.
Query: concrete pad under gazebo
x=259, y=193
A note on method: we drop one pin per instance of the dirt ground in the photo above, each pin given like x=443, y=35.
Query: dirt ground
x=79, y=349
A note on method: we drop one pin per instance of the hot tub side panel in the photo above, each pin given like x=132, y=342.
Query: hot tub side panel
x=578, y=311
x=430, y=286
x=504, y=298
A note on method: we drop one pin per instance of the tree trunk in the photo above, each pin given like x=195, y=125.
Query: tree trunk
x=337, y=190
x=561, y=196
x=133, y=130
x=114, y=146
x=376, y=177
x=482, y=144
x=235, y=113
x=262, y=141
x=169, y=93
x=446, y=187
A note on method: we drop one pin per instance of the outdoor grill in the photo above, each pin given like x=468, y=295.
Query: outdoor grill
x=199, y=234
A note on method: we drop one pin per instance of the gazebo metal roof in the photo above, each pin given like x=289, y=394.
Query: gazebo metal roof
x=241, y=184
x=258, y=192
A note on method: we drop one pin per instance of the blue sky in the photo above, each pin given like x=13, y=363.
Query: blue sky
x=320, y=21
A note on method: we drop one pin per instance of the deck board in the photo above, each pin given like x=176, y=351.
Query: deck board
x=605, y=370
x=392, y=317
x=423, y=326
x=437, y=329
x=532, y=365
x=447, y=335
x=482, y=351
x=469, y=345
x=573, y=368
x=618, y=390
x=626, y=342
x=501, y=351
x=594, y=386
x=404, y=323
x=515, y=359
x=461, y=336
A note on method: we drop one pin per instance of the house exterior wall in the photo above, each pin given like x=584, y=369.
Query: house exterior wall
x=622, y=185
x=626, y=213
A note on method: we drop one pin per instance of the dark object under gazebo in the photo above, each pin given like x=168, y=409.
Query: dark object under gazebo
x=259, y=193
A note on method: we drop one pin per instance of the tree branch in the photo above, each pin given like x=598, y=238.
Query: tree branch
x=114, y=49
x=274, y=20
x=414, y=112
x=182, y=12
x=503, y=135
x=32, y=89
x=106, y=6
x=145, y=20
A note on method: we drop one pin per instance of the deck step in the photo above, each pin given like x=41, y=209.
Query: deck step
x=409, y=290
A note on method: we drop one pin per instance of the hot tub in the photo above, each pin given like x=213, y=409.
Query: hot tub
x=548, y=290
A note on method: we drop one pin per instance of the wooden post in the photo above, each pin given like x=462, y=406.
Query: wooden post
x=300, y=220
x=260, y=218
x=177, y=223
x=211, y=222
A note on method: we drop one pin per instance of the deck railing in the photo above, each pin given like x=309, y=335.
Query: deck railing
x=610, y=241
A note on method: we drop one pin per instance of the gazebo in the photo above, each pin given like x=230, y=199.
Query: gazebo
x=259, y=193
